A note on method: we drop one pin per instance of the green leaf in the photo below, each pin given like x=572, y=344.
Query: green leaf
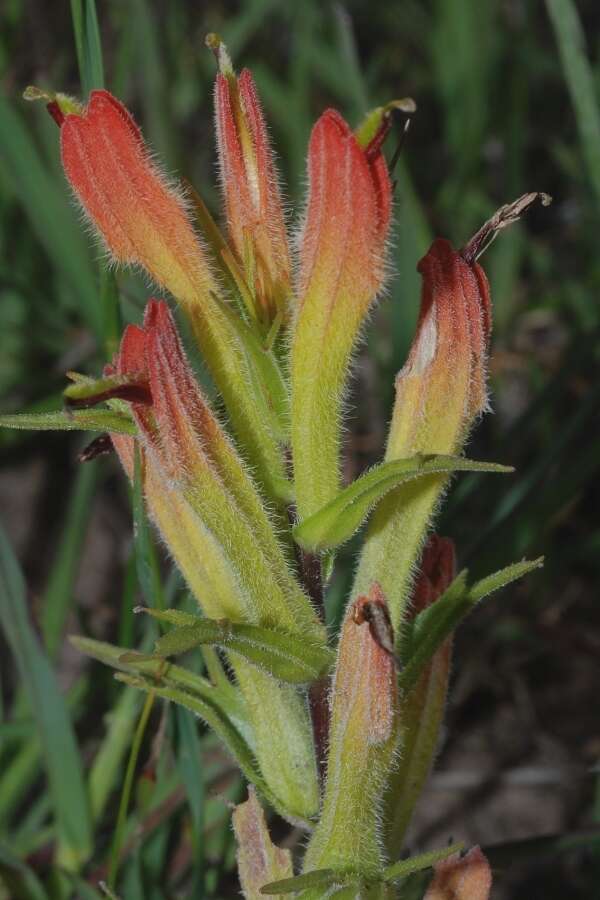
x=70, y=803
x=230, y=702
x=416, y=863
x=67, y=420
x=580, y=79
x=189, y=756
x=341, y=517
x=87, y=43
x=18, y=879
x=107, y=766
x=437, y=622
x=46, y=204
x=216, y=719
x=285, y=656
x=322, y=878
x=500, y=579
x=58, y=596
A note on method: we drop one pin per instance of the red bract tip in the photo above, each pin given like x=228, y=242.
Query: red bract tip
x=348, y=213
x=250, y=187
x=141, y=219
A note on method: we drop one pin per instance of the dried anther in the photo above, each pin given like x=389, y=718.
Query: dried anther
x=502, y=218
x=373, y=609
x=100, y=446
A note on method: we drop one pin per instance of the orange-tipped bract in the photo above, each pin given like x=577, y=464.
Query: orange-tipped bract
x=439, y=393
x=250, y=186
x=342, y=252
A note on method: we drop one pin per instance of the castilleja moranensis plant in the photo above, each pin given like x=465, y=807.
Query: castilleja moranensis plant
x=335, y=734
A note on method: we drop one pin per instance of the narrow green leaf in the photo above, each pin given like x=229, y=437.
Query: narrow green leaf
x=580, y=80
x=227, y=698
x=106, y=768
x=323, y=878
x=189, y=763
x=119, y=658
x=18, y=879
x=47, y=206
x=58, y=596
x=87, y=43
x=70, y=802
x=500, y=579
x=136, y=744
x=437, y=622
x=341, y=517
x=220, y=724
x=67, y=420
x=416, y=863
x=285, y=656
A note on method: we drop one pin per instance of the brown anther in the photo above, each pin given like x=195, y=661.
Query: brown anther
x=373, y=610
x=100, y=446
x=502, y=218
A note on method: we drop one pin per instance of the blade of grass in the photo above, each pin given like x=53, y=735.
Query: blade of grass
x=70, y=804
x=580, y=82
x=189, y=763
x=18, y=879
x=106, y=767
x=87, y=44
x=50, y=216
x=59, y=591
x=127, y=788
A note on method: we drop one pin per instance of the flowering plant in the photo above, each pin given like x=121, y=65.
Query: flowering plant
x=335, y=734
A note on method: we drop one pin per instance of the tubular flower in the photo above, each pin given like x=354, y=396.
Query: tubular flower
x=341, y=270
x=251, y=191
x=143, y=221
x=422, y=708
x=439, y=393
x=362, y=740
x=184, y=440
x=202, y=500
x=141, y=218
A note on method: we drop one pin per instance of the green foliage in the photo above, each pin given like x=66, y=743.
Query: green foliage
x=341, y=517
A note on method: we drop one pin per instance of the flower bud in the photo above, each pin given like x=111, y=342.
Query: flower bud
x=461, y=878
x=143, y=221
x=251, y=191
x=439, y=393
x=200, y=497
x=186, y=443
x=362, y=741
x=341, y=270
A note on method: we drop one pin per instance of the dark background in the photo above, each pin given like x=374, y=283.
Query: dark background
x=508, y=95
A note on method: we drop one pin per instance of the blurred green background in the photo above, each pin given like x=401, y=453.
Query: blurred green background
x=508, y=95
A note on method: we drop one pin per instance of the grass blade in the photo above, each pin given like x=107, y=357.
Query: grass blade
x=580, y=81
x=59, y=592
x=63, y=764
x=87, y=44
x=50, y=216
